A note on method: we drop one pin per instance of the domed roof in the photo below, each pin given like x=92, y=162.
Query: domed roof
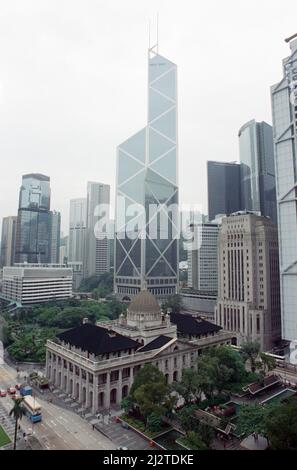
x=144, y=302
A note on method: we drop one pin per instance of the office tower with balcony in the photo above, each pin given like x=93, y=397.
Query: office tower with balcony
x=257, y=172
x=146, y=252
x=248, y=283
x=223, y=180
x=33, y=235
x=8, y=241
x=284, y=112
x=97, y=258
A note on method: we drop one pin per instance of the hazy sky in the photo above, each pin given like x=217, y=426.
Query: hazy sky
x=73, y=78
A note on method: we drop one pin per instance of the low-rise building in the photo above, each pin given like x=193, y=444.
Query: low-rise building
x=35, y=283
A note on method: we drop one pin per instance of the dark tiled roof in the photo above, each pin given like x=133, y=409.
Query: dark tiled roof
x=156, y=343
x=189, y=325
x=97, y=340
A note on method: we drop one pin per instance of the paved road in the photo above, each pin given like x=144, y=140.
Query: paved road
x=60, y=429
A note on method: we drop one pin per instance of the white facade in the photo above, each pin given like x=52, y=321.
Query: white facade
x=77, y=229
x=97, y=242
x=284, y=108
x=203, y=258
x=30, y=284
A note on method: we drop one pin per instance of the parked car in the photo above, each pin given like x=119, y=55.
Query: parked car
x=3, y=393
x=18, y=386
x=11, y=390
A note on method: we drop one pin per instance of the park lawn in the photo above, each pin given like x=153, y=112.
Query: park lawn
x=4, y=439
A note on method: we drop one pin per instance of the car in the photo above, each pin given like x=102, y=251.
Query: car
x=11, y=390
x=122, y=448
x=18, y=386
x=3, y=393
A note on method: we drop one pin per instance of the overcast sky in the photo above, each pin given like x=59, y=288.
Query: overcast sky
x=73, y=78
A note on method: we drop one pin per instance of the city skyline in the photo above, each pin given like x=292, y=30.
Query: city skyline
x=73, y=141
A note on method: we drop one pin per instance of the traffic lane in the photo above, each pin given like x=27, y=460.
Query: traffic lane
x=60, y=429
x=75, y=430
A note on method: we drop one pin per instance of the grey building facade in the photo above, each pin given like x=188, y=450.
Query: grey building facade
x=97, y=258
x=223, y=180
x=33, y=236
x=257, y=172
x=8, y=238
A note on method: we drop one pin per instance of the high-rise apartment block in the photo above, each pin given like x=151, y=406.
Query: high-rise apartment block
x=203, y=258
x=223, y=188
x=8, y=241
x=284, y=110
x=147, y=184
x=257, y=173
x=249, y=294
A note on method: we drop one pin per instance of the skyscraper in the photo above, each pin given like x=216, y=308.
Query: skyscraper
x=223, y=188
x=8, y=241
x=249, y=295
x=33, y=237
x=97, y=242
x=257, y=169
x=55, y=237
x=284, y=110
x=203, y=258
x=77, y=229
x=147, y=192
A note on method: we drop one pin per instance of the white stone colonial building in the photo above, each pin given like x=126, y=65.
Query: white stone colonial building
x=96, y=365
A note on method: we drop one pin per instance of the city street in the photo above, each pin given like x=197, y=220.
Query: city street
x=60, y=429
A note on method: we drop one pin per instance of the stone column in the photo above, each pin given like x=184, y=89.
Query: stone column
x=131, y=378
x=80, y=394
x=68, y=378
x=62, y=375
x=119, y=387
x=95, y=394
x=107, y=391
x=52, y=369
x=73, y=382
x=87, y=402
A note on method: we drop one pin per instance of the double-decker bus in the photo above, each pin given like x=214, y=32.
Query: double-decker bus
x=32, y=408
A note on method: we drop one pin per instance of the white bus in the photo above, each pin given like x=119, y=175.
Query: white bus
x=32, y=408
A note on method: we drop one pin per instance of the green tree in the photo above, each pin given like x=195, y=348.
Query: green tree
x=151, y=393
x=281, y=426
x=230, y=358
x=267, y=363
x=173, y=303
x=250, y=352
x=251, y=418
x=17, y=413
x=195, y=442
x=189, y=386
